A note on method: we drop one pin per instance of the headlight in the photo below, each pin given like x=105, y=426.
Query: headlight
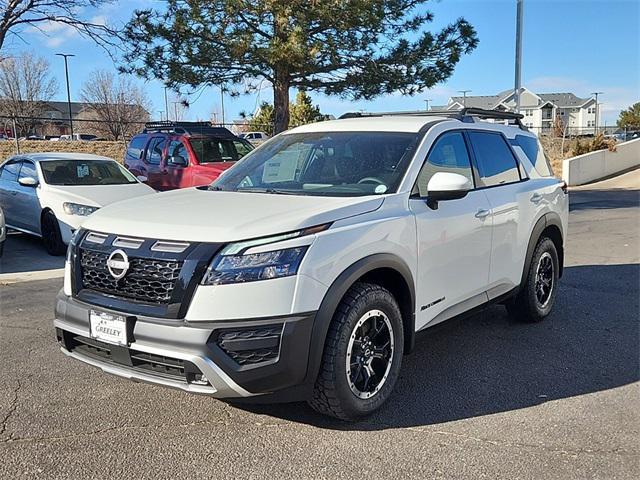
x=226, y=269
x=78, y=209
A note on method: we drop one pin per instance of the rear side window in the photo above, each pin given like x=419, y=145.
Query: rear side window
x=496, y=163
x=449, y=154
x=534, y=152
x=136, y=146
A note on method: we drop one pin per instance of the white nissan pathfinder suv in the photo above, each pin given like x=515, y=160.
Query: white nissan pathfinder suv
x=305, y=270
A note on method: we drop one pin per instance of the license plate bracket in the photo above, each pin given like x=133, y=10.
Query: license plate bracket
x=109, y=328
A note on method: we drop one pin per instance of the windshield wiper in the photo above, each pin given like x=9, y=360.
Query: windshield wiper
x=273, y=191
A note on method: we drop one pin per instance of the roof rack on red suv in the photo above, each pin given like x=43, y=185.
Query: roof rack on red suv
x=186, y=128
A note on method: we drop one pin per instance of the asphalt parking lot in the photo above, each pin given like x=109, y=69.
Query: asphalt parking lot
x=479, y=398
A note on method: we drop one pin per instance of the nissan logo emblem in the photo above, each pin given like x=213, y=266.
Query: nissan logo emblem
x=118, y=264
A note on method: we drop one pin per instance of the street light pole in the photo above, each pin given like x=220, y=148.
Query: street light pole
x=597, y=113
x=518, y=79
x=464, y=97
x=427, y=100
x=66, y=71
x=166, y=103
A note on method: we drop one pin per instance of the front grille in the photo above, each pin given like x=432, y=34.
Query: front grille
x=158, y=365
x=251, y=346
x=147, y=280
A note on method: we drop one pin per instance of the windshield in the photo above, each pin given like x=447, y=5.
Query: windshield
x=83, y=172
x=324, y=163
x=210, y=150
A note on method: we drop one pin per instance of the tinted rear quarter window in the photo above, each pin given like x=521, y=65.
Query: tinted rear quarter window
x=136, y=146
x=534, y=152
x=496, y=163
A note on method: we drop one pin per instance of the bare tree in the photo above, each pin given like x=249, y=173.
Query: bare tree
x=25, y=88
x=118, y=105
x=16, y=15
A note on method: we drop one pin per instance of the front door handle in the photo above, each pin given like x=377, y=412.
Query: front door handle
x=536, y=198
x=482, y=214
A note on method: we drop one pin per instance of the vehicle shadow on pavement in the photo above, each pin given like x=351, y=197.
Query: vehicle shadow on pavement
x=603, y=199
x=488, y=363
x=26, y=253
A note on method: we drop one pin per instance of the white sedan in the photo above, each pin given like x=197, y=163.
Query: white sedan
x=50, y=194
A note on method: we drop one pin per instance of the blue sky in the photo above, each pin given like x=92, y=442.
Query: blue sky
x=578, y=46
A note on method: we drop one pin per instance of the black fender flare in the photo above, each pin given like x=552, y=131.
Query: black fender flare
x=548, y=219
x=339, y=288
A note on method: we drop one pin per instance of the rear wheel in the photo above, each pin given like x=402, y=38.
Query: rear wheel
x=51, y=236
x=362, y=356
x=537, y=295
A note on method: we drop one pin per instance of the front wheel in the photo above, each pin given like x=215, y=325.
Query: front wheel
x=362, y=355
x=538, y=293
x=51, y=236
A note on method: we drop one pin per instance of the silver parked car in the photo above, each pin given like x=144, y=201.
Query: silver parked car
x=50, y=194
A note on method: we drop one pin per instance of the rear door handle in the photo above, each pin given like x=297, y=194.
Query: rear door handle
x=482, y=214
x=536, y=198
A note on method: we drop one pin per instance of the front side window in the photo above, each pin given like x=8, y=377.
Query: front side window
x=449, y=154
x=82, y=172
x=10, y=171
x=177, y=149
x=324, y=163
x=496, y=162
x=28, y=170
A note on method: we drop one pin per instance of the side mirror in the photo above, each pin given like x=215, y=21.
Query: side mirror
x=28, y=182
x=178, y=161
x=446, y=186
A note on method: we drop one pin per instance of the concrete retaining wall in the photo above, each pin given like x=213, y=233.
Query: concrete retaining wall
x=603, y=163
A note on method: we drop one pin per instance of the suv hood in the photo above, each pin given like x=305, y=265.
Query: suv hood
x=208, y=216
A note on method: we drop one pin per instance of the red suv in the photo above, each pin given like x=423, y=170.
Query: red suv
x=169, y=155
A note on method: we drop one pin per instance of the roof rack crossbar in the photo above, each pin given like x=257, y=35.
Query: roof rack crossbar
x=466, y=114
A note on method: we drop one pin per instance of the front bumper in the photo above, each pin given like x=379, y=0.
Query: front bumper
x=175, y=353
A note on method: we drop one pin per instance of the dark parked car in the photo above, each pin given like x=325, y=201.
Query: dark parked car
x=170, y=155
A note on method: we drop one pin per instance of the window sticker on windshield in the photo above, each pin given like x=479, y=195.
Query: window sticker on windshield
x=281, y=168
x=82, y=170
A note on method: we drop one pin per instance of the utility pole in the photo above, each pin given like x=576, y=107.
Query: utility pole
x=464, y=97
x=222, y=101
x=175, y=110
x=427, y=100
x=66, y=71
x=166, y=103
x=597, y=113
x=518, y=79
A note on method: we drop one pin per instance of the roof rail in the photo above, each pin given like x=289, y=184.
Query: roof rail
x=187, y=128
x=464, y=115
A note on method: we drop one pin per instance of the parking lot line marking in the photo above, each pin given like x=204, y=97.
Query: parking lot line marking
x=18, y=277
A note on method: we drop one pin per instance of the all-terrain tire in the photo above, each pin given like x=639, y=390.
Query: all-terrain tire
x=528, y=306
x=332, y=393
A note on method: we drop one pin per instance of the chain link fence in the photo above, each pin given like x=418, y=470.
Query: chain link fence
x=110, y=138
